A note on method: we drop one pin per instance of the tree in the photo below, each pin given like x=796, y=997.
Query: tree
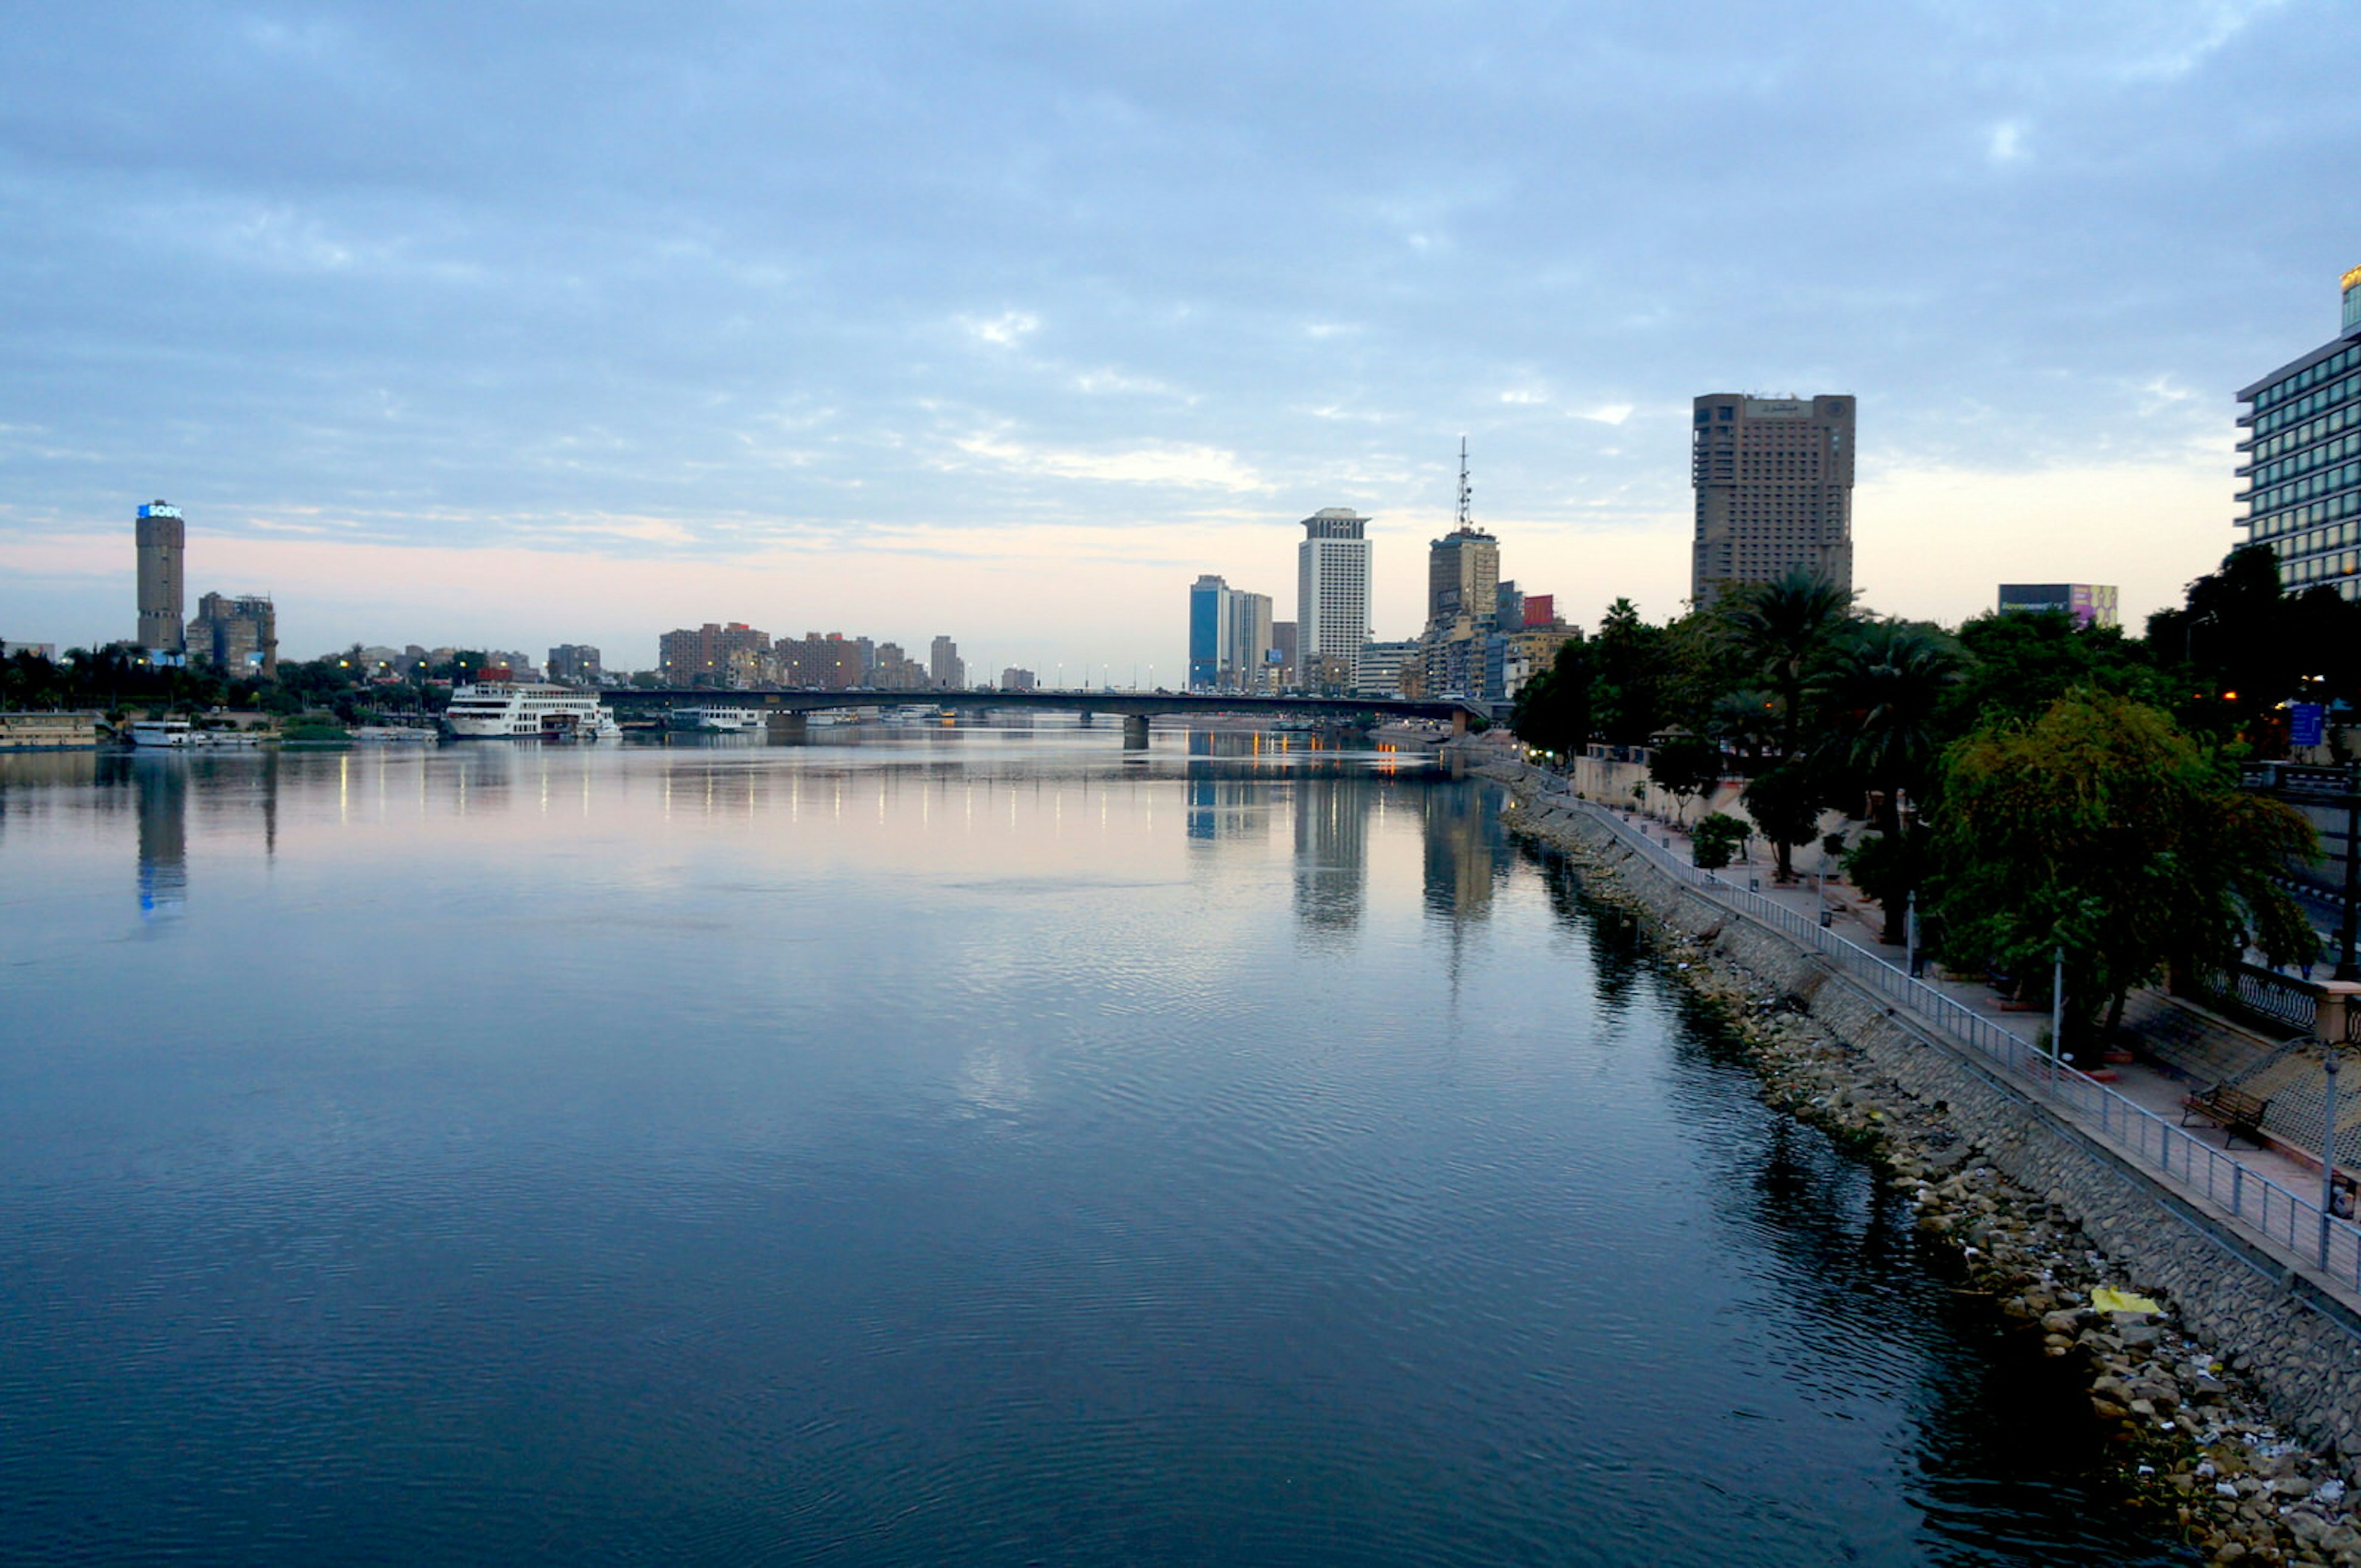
x=1553, y=708
x=1633, y=674
x=2105, y=829
x=1785, y=805
x=1782, y=631
x=2018, y=662
x=1879, y=697
x=1685, y=766
x=1714, y=840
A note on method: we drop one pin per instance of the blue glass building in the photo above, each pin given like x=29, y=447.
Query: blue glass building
x=2303, y=460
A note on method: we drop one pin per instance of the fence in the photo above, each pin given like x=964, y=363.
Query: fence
x=2253, y=1200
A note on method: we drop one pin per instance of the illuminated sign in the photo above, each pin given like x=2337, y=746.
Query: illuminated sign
x=160, y=509
x=2352, y=278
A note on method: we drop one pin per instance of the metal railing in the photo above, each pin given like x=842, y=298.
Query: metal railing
x=2252, y=1201
x=2266, y=994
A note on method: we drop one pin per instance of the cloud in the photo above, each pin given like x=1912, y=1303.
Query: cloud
x=1156, y=463
x=1005, y=330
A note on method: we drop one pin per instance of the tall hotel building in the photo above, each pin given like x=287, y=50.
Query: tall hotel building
x=1773, y=479
x=162, y=540
x=2303, y=461
x=1331, y=598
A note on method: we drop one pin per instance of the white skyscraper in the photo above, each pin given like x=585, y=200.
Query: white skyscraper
x=1331, y=598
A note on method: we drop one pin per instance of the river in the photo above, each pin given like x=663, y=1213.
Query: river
x=931, y=1146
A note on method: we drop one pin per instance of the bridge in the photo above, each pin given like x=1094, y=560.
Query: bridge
x=788, y=707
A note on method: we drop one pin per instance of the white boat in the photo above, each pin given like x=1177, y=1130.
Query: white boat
x=392, y=735
x=528, y=710
x=163, y=732
x=717, y=720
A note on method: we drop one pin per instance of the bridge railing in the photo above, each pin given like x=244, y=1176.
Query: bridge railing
x=2252, y=1201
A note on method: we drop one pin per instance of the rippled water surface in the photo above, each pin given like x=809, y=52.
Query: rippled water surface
x=960, y=1146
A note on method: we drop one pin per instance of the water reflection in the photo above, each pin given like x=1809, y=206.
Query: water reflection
x=924, y=1153
x=161, y=784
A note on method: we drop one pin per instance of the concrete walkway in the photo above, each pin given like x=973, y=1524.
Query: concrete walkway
x=2290, y=1238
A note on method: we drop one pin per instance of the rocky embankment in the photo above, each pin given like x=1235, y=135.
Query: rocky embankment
x=2190, y=1428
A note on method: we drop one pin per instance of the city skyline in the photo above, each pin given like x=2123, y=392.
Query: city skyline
x=821, y=341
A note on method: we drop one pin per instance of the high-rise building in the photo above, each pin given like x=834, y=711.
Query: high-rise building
x=945, y=668
x=574, y=665
x=1209, y=631
x=238, y=637
x=2090, y=604
x=1287, y=668
x=162, y=540
x=1331, y=598
x=1773, y=478
x=1229, y=637
x=2304, y=481
x=730, y=655
x=1013, y=679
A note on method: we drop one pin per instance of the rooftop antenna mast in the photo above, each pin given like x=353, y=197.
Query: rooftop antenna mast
x=1465, y=524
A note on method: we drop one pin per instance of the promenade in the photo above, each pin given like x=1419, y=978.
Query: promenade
x=2268, y=1196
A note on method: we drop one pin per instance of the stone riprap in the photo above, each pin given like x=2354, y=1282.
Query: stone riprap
x=2237, y=1405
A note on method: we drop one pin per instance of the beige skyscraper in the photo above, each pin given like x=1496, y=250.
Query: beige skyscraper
x=1773, y=479
x=162, y=540
x=1331, y=598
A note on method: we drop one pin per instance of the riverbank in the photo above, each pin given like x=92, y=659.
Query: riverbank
x=2204, y=1417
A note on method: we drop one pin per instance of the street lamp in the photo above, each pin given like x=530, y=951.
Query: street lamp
x=2327, y=1148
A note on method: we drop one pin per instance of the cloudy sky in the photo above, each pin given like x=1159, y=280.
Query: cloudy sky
x=517, y=324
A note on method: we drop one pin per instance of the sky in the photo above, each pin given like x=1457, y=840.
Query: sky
x=513, y=325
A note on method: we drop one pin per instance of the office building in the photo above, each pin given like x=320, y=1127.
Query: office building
x=727, y=655
x=2090, y=604
x=1229, y=637
x=1287, y=668
x=1332, y=598
x=162, y=540
x=1773, y=479
x=1013, y=679
x=945, y=668
x=574, y=665
x=2303, y=459
x=1382, y=667
x=236, y=636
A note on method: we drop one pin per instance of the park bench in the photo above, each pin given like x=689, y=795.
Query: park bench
x=2238, y=1114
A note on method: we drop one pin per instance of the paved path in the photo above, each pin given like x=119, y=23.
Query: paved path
x=2206, y=1180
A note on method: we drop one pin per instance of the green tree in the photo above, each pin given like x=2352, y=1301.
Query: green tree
x=1685, y=766
x=2104, y=828
x=1781, y=633
x=1553, y=708
x=1633, y=674
x=2018, y=662
x=1785, y=805
x=1880, y=697
x=1714, y=841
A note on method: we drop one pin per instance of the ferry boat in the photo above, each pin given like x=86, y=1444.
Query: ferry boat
x=163, y=732
x=528, y=710
x=717, y=720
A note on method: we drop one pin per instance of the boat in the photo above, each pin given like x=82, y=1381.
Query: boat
x=172, y=732
x=528, y=710
x=392, y=735
x=717, y=720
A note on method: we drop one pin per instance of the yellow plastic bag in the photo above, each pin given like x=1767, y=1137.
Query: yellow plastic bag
x=2108, y=1298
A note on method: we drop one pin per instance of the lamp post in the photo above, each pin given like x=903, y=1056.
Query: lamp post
x=2327, y=1150
x=2058, y=1004
x=1910, y=935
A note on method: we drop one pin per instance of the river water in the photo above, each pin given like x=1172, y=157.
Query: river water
x=938, y=1146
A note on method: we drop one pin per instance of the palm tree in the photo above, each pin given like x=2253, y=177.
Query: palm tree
x=1785, y=630
x=1878, y=695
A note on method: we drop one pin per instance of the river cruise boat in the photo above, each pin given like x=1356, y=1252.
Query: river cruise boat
x=160, y=732
x=717, y=720
x=528, y=710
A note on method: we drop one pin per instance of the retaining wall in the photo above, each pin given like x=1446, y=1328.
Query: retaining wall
x=2302, y=1345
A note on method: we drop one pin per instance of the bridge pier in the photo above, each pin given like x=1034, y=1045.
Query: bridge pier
x=1083, y=719
x=1135, y=732
x=785, y=728
x=1459, y=722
